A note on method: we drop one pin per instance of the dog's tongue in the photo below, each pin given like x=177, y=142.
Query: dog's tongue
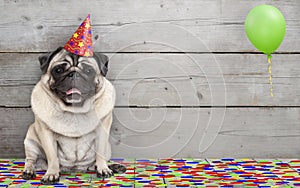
x=72, y=91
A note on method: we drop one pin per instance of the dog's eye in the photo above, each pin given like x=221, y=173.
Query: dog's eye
x=88, y=70
x=59, y=70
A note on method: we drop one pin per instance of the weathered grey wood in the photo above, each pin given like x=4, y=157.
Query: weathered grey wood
x=173, y=79
x=177, y=132
x=190, y=26
x=13, y=126
x=244, y=132
x=256, y=133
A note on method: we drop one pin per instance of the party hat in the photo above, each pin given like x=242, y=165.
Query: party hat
x=81, y=41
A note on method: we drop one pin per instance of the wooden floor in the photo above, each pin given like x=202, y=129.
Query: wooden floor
x=225, y=172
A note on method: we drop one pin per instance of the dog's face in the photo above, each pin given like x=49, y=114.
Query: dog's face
x=72, y=78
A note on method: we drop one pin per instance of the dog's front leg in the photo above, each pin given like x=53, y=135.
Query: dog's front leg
x=49, y=145
x=103, y=147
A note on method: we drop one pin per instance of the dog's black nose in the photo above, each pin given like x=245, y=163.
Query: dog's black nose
x=74, y=74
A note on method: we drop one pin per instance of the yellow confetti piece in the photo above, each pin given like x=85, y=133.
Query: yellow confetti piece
x=271, y=75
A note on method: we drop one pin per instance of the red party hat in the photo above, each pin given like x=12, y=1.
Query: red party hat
x=81, y=41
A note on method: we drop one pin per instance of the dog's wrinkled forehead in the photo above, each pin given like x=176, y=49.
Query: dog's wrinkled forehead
x=72, y=60
x=99, y=61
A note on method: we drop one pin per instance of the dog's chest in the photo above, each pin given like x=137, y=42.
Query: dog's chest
x=76, y=150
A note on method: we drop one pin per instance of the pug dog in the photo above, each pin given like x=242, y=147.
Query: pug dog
x=72, y=105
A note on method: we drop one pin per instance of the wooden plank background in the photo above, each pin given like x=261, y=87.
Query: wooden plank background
x=189, y=83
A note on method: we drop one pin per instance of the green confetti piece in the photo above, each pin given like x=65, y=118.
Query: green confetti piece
x=161, y=185
x=7, y=181
x=73, y=184
x=177, y=174
x=86, y=175
x=127, y=184
x=25, y=185
x=46, y=186
x=139, y=184
x=263, y=160
x=291, y=174
x=139, y=170
x=119, y=182
x=188, y=159
x=150, y=167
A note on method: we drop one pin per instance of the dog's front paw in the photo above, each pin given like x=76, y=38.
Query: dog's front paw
x=49, y=179
x=104, y=173
x=117, y=168
x=28, y=174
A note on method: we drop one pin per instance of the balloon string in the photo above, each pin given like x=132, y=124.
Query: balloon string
x=271, y=75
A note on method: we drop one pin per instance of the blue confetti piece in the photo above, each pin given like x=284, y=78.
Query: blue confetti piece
x=227, y=159
x=35, y=183
x=240, y=172
x=272, y=176
x=267, y=173
x=267, y=166
x=144, y=181
x=249, y=167
x=162, y=168
x=208, y=168
x=198, y=183
x=192, y=162
x=19, y=181
x=233, y=164
x=219, y=171
x=136, y=178
x=40, y=172
x=179, y=160
x=229, y=169
x=158, y=175
x=196, y=180
x=117, y=159
x=186, y=167
x=226, y=176
x=167, y=171
x=241, y=162
x=19, y=162
x=142, y=160
x=59, y=185
x=7, y=174
x=217, y=162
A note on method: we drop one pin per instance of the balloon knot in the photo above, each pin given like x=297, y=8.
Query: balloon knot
x=269, y=56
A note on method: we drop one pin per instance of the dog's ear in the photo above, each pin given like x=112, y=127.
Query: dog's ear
x=46, y=58
x=102, y=61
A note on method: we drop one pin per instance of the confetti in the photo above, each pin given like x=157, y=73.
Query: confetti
x=226, y=172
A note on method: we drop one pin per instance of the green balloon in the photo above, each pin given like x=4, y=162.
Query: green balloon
x=265, y=28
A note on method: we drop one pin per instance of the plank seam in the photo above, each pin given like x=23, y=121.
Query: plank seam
x=163, y=52
x=186, y=107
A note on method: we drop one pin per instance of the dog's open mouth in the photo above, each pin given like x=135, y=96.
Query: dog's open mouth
x=73, y=91
x=73, y=95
